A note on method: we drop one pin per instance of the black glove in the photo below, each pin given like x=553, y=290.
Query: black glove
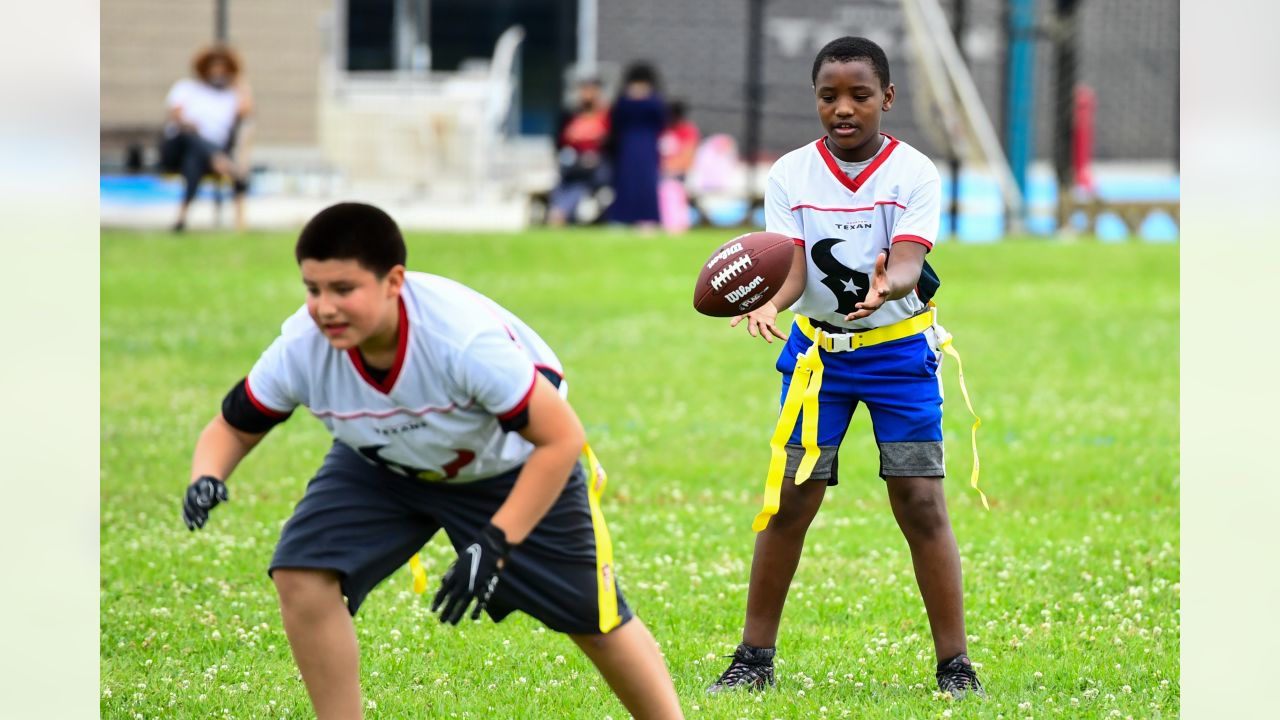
x=473, y=575
x=202, y=495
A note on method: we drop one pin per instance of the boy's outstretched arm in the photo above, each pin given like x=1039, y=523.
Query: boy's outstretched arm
x=762, y=321
x=891, y=281
x=219, y=450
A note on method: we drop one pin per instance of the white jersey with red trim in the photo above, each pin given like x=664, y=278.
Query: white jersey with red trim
x=844, y=223
x=463, y=364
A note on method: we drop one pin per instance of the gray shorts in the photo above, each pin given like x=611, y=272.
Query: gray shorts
x=364, y=522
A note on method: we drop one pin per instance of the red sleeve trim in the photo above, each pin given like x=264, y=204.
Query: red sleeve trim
x=544, y=369
x=524, y=401
x=798, y=241
x=914, y=239
x=258, y=403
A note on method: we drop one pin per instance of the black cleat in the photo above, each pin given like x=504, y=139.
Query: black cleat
x=957, y=678
x=752, y=668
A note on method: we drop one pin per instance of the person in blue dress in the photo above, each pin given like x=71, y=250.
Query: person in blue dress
x=636, y=120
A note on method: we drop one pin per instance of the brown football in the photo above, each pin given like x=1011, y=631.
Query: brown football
x=743, y=274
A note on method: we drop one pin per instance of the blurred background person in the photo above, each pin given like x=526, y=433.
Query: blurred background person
x=676, y=147
x=205, y=114
x=678, y=142
x=580, y=153
x=637, y=119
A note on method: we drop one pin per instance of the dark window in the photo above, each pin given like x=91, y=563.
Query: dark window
x=463, y=29
x=370, y=34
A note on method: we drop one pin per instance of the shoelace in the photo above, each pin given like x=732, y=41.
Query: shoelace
x=739, y=669
x=959, y=678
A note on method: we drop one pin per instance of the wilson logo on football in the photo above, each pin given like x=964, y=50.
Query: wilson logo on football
x=742, y=290
x=732, y=270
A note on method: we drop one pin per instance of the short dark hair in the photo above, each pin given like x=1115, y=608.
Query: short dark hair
x=353, y=231
x=849, y=48
x=640, y=72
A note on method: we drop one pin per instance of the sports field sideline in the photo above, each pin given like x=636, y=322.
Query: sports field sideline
x=1071, y=356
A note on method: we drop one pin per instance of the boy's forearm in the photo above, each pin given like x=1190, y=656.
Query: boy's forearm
x=905, y=263
x=902, y=281
x=220, y=449
x=793, y=287
x=539, y=484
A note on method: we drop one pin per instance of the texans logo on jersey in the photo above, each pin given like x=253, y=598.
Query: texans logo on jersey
x=848, y=285
x=448, y=471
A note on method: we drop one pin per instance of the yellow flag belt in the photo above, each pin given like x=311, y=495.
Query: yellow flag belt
x=801, y=400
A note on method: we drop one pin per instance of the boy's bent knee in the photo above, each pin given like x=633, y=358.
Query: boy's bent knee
x=298, y=587
x=601, y=640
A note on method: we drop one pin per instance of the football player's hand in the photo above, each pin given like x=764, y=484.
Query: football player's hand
x=876, y=294
x=761, y=322
x=473, y=576
x=202, y=496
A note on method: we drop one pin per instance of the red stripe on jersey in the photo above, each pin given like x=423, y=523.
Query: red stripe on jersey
x=402, y=344
x=858, y=209
x=258, y=403
x=855, y=183
x=380, y=415
x=912, y=238
x=798, y=241
x=524, y=401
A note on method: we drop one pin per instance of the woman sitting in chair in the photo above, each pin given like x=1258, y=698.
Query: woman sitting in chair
x=205, y=114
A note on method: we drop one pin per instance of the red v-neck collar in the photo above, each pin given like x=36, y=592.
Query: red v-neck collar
x=402, y=344
x=855, y=183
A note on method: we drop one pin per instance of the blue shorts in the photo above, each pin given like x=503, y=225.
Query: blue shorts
x=898, y=382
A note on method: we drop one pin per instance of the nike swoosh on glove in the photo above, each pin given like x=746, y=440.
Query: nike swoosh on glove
x=473, y=576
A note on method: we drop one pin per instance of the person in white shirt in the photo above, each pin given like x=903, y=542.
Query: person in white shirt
x=447, y=412
x=862, y=208
x=204, y=115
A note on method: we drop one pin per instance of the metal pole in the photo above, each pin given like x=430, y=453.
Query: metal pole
x=959, y=11
x=220, y=21
x=587, y=30
x=755, y=94
x=1065, y=39
x=1020, y=98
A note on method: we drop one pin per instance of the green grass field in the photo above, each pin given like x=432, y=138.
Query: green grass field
x=1072, y=578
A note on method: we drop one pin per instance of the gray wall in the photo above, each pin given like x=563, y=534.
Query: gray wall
x=1128, y=52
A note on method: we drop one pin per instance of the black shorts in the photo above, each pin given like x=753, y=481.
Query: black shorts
x=363, y=522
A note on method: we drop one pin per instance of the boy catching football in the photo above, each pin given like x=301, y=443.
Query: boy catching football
x=863, y=209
